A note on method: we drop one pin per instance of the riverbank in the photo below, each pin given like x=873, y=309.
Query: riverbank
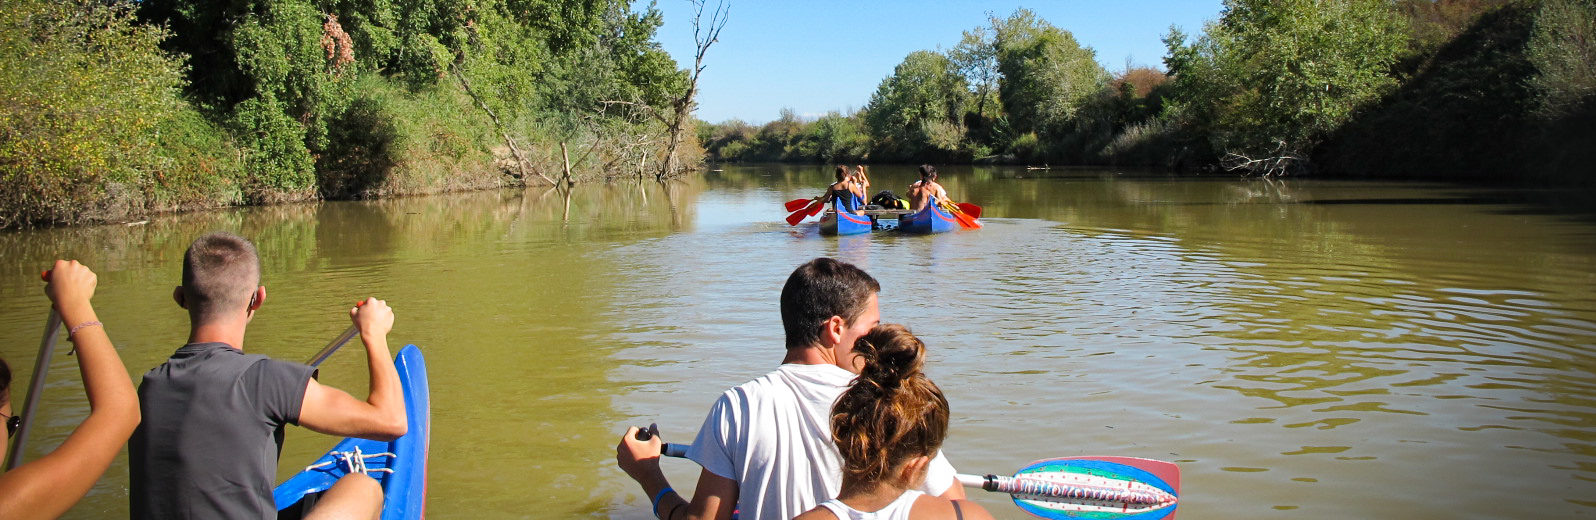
x=115, y=111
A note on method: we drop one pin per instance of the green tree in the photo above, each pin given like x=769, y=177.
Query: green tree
x=1275, y=77
x=1047, y=76
x=975, y=57
x=83, y=91
x=913, y=108
x=1563, y=49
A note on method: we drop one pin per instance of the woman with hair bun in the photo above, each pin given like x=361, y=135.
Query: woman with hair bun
x=887, y=426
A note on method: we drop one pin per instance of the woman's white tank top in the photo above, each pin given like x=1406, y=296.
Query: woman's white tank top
x=897, y=510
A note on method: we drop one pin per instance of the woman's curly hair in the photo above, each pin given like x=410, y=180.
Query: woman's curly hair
x=893, y=412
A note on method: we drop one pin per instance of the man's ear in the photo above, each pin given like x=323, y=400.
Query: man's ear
x=257, y=299
x=177, y=296
x=831, y=331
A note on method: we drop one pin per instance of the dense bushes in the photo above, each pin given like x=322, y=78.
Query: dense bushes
x=91, y=123
x=302, y=99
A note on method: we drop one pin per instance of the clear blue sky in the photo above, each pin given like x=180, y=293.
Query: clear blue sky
x=826, y=55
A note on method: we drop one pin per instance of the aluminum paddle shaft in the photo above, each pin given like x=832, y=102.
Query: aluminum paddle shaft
x=41, y=368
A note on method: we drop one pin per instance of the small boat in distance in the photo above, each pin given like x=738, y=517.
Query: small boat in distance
x=834, y=223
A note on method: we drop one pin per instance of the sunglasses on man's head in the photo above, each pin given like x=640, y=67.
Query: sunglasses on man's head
x=12, y=423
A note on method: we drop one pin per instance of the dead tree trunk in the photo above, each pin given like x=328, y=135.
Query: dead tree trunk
x=520, y=160
x=703, y=37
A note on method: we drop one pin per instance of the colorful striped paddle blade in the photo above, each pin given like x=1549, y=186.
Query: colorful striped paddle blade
x=1101, y=488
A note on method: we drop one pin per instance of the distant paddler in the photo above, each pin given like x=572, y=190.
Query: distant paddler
x=848, y=193
x=926, y=190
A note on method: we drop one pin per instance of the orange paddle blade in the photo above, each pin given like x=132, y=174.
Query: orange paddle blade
x=966, y=221
x=973, y=210
x=797, y=204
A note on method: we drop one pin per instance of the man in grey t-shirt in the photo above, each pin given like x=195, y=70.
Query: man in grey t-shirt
x=213, y=416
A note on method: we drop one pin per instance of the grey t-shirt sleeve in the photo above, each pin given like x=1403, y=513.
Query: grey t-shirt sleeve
x=279, y=388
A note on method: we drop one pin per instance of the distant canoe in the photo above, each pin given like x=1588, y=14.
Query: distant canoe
x=930, y=219
x=833, y=223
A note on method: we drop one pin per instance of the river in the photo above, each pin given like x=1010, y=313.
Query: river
x=1302, y=348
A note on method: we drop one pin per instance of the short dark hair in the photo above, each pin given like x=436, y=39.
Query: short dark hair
x=928, y=171
x=5, y=383
x=818, y=290
x=220, y=272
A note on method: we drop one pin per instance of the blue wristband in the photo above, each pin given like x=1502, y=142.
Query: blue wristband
x=655, y=508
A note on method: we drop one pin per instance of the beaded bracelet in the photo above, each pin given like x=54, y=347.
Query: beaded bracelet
x=74, y=331
x=81, y=326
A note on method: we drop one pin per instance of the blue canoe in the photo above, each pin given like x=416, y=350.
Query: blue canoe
x=835, y=223
x=930, y=219
x=405, y=487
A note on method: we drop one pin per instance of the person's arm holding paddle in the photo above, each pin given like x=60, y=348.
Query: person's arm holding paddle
x=715, y=497
x=382, y=415
x=49, y=486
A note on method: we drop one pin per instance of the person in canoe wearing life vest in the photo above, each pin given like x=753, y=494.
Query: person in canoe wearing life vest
x=846, y=193
x=888, y=425
x=214, y=415
x=926, y=190
x=765, y=447
x=48, y=486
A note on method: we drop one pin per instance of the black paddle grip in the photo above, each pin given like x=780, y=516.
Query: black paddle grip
x=644, y=434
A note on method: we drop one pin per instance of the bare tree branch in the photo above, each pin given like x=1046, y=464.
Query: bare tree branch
x=1279, y=162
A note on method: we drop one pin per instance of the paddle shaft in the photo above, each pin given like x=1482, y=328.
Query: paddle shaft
x=993, y=483
x=337, y=343
x=41, y=368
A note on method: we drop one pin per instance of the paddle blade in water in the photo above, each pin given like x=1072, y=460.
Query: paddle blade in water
x=965, y=220
x=973, y=210
x=797, y=204
x=1105, y=488
x=803, y=213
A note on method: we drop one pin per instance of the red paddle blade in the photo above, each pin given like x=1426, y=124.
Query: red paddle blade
x=803, y=213
x=973, y=210
x=797, y=204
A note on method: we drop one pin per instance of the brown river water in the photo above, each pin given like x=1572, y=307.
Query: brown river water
x=1302, y=348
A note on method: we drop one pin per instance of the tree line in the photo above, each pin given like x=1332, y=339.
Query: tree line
x=111, y=108
x=1457, y=89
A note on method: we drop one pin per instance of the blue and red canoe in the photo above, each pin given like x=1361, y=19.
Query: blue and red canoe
x=399, y=465
x=930, y=219
x=843, y=223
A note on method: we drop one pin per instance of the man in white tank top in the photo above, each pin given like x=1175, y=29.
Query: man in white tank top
x=766, y=447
